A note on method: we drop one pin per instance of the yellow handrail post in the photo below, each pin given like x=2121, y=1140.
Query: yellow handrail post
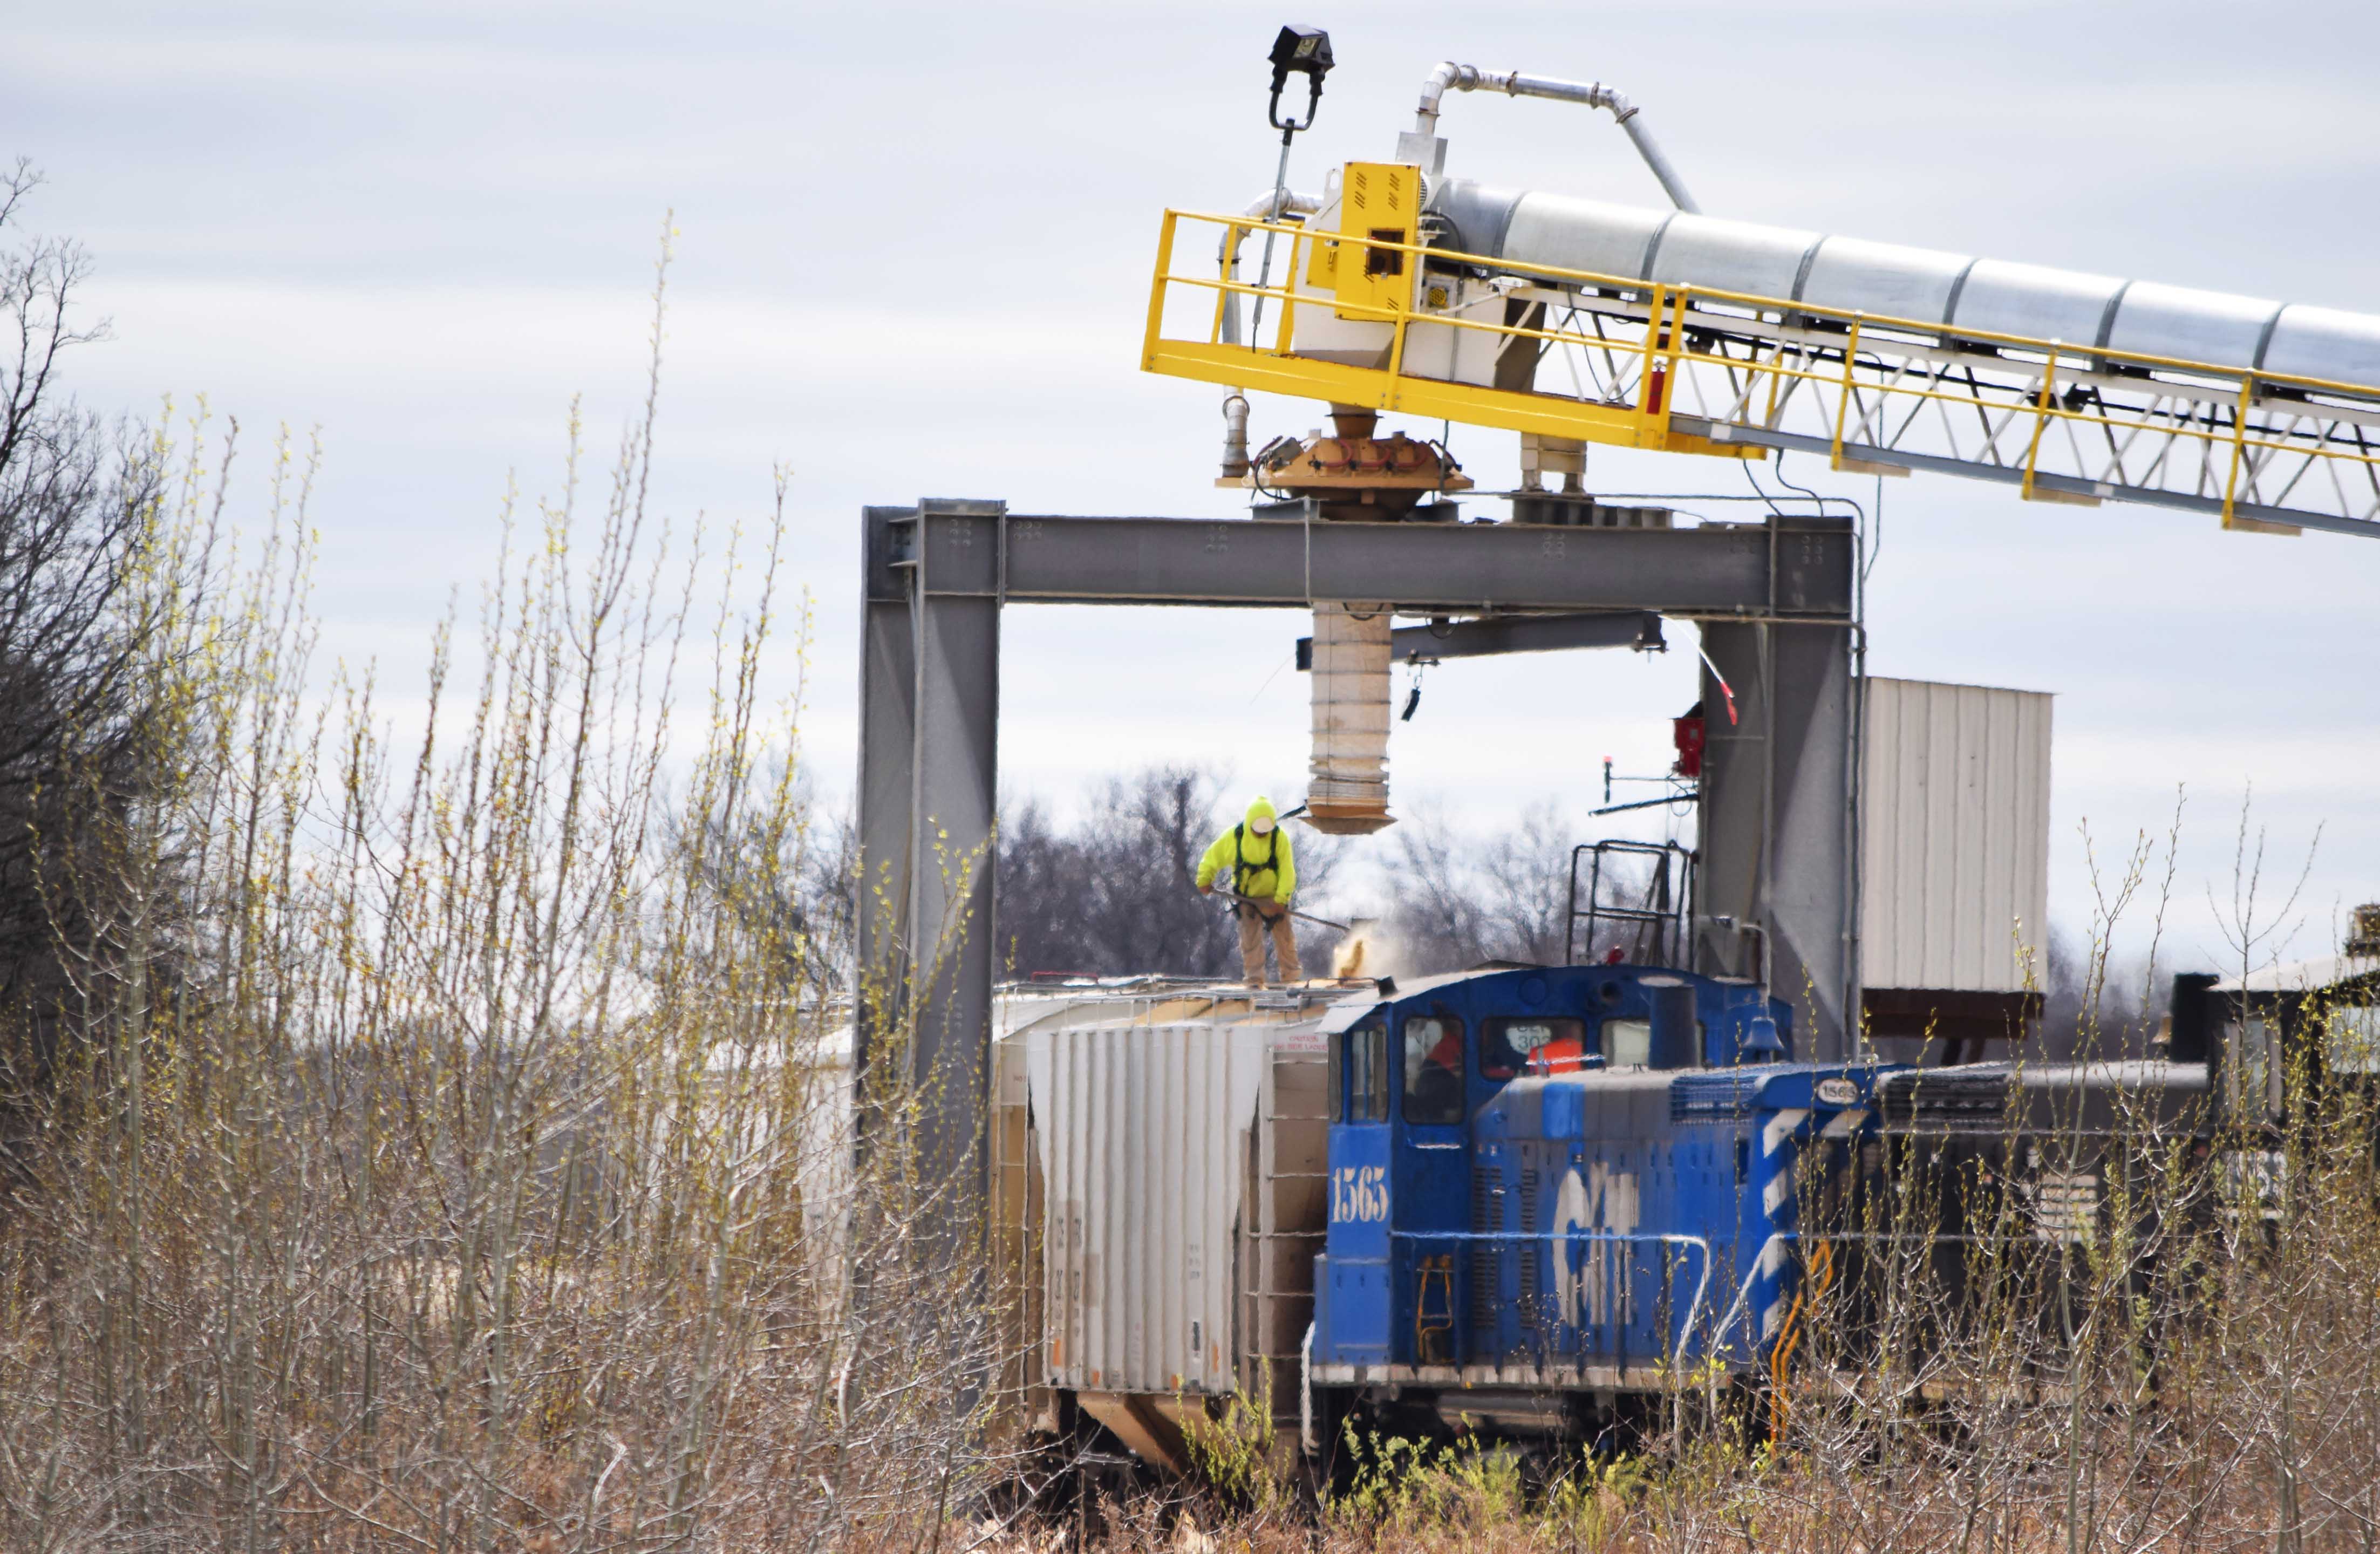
x=2239, y=444
x=1223, y=295
x=1843, y=403
x=1157, y=292
x=1648, y=388
x=1776, y=375
x=1283, y=333
x=2040, y=415
x=1677, y=334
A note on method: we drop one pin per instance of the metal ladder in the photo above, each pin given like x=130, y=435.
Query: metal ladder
x=1264, y=1299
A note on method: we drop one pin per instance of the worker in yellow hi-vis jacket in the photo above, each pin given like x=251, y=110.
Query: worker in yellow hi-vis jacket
x=1256, y=859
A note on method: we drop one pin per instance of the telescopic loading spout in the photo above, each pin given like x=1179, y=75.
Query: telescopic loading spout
x=1595, y=94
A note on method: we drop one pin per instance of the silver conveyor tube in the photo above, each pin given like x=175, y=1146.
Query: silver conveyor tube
x=1595, y=94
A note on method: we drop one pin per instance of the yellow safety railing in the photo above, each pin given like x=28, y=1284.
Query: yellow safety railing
x=1785, y=344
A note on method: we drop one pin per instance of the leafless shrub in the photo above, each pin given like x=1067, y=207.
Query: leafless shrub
x=73, y=745
x=484, y=1179
x=1462, y=897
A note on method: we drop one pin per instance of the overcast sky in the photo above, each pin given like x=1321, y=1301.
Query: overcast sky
x=914, y=249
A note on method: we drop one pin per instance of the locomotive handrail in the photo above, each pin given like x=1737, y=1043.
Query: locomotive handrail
x=1744, y=1291
x=1305, y=1392
x=1671, y=923
x=1701, y=1244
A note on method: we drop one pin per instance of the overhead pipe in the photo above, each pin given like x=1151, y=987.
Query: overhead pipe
x=1292, y=204
x=1595, y=94
x=1235, y=435
x=1269, y=206
x=1262, y=208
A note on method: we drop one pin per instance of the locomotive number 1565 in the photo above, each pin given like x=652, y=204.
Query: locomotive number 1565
x=1359, y=1194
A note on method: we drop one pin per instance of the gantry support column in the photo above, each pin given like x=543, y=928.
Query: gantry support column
x=1778, y=809
x=1774, y=601
x=929, y=713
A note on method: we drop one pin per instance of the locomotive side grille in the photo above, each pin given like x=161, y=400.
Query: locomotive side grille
x=1486, y=1195
x=1946, y=1095
x=1712, y=1094
x=1486, y=1216
x=2065, y=1204
x=1529, y=1252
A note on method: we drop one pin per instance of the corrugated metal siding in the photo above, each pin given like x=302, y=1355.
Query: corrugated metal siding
x=1955, y=835
x=1144, y=1135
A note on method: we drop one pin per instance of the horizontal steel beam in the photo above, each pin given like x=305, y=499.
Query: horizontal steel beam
x=1639, y=629
x=1720, y=571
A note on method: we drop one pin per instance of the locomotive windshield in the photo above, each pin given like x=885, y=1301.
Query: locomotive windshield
x=1509, y=1048
x=1628, y=1043
x=1433, y=1068
x=1359, y=1073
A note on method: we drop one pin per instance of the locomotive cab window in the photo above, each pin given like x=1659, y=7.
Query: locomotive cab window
x=1628, y=1043
x=1509, y=1047
x=1433, y=1068
x=1359, y=1075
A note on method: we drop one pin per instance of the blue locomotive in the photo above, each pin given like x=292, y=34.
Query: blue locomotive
x=1552, y=1183
x=1531, y=1199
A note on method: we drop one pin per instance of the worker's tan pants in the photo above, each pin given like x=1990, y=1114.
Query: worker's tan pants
x=1253, y=924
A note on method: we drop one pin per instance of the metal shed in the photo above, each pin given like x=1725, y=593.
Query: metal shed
x=1954, y=855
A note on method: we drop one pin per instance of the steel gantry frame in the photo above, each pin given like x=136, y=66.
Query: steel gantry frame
x=1773, y=599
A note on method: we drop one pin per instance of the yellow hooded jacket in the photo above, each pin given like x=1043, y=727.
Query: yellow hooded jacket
x=1260, y=868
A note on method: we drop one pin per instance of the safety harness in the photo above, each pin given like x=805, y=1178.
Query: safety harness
x=1242, y=869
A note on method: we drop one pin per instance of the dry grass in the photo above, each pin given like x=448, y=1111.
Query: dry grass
x=479, y=1177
